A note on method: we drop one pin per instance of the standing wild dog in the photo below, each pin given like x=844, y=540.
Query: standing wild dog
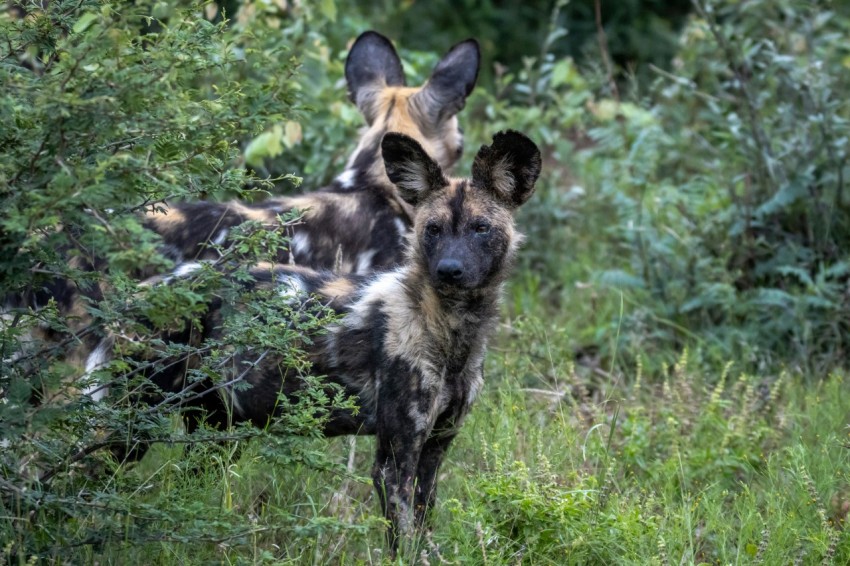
x=358, y=221
x=407, y=344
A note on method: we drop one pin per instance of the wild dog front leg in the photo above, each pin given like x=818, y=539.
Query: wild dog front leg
x=393, y=476
x=403, y=426
x=426, y=474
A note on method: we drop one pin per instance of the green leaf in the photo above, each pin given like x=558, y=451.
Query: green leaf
x=328, y=9
x=84, y=22
x=293, y=134
x=564, y=72
x=619, y=278
x=267, y=144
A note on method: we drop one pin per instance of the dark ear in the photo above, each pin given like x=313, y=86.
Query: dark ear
x=372, y=64
x=444, y=95
x=508, y=168
x=410, y=168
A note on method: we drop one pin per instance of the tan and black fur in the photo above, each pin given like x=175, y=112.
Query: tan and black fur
x=357, y=224
x=408, y=343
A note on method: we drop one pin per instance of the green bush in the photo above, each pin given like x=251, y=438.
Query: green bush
x=108, y=110
x=639, y=32
x=732, y=200
x=712, y=205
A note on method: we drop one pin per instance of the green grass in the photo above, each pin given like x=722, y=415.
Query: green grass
x=558, y=464
x=584, y=448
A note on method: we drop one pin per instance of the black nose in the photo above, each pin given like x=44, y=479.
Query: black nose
x=449, y=270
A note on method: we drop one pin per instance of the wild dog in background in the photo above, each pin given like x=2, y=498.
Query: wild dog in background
x=360, y=216
x=409, y=343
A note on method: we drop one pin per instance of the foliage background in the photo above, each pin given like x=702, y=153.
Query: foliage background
x=669, y=383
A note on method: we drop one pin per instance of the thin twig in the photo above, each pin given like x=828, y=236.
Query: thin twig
x=771, y=166
x=603, y=48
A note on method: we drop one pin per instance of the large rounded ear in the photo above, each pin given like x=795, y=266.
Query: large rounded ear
x=444, y=95
x=411, y=169
x=372, y=65
x=508, y=167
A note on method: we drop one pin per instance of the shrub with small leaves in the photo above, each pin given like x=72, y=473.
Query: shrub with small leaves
x=108, y=110
x=732, y=205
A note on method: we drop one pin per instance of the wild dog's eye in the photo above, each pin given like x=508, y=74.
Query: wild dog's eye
x=482, y=228
x=432, y=229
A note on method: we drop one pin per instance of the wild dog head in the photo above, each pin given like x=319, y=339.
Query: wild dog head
x=428, y=114
x=463, y=234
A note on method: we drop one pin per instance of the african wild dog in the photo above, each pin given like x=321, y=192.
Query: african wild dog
x=359, y=217
x=357, y=224
x=408, y=343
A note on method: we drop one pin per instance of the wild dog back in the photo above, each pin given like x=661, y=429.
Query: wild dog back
x=358, y=221
x=408, y=344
